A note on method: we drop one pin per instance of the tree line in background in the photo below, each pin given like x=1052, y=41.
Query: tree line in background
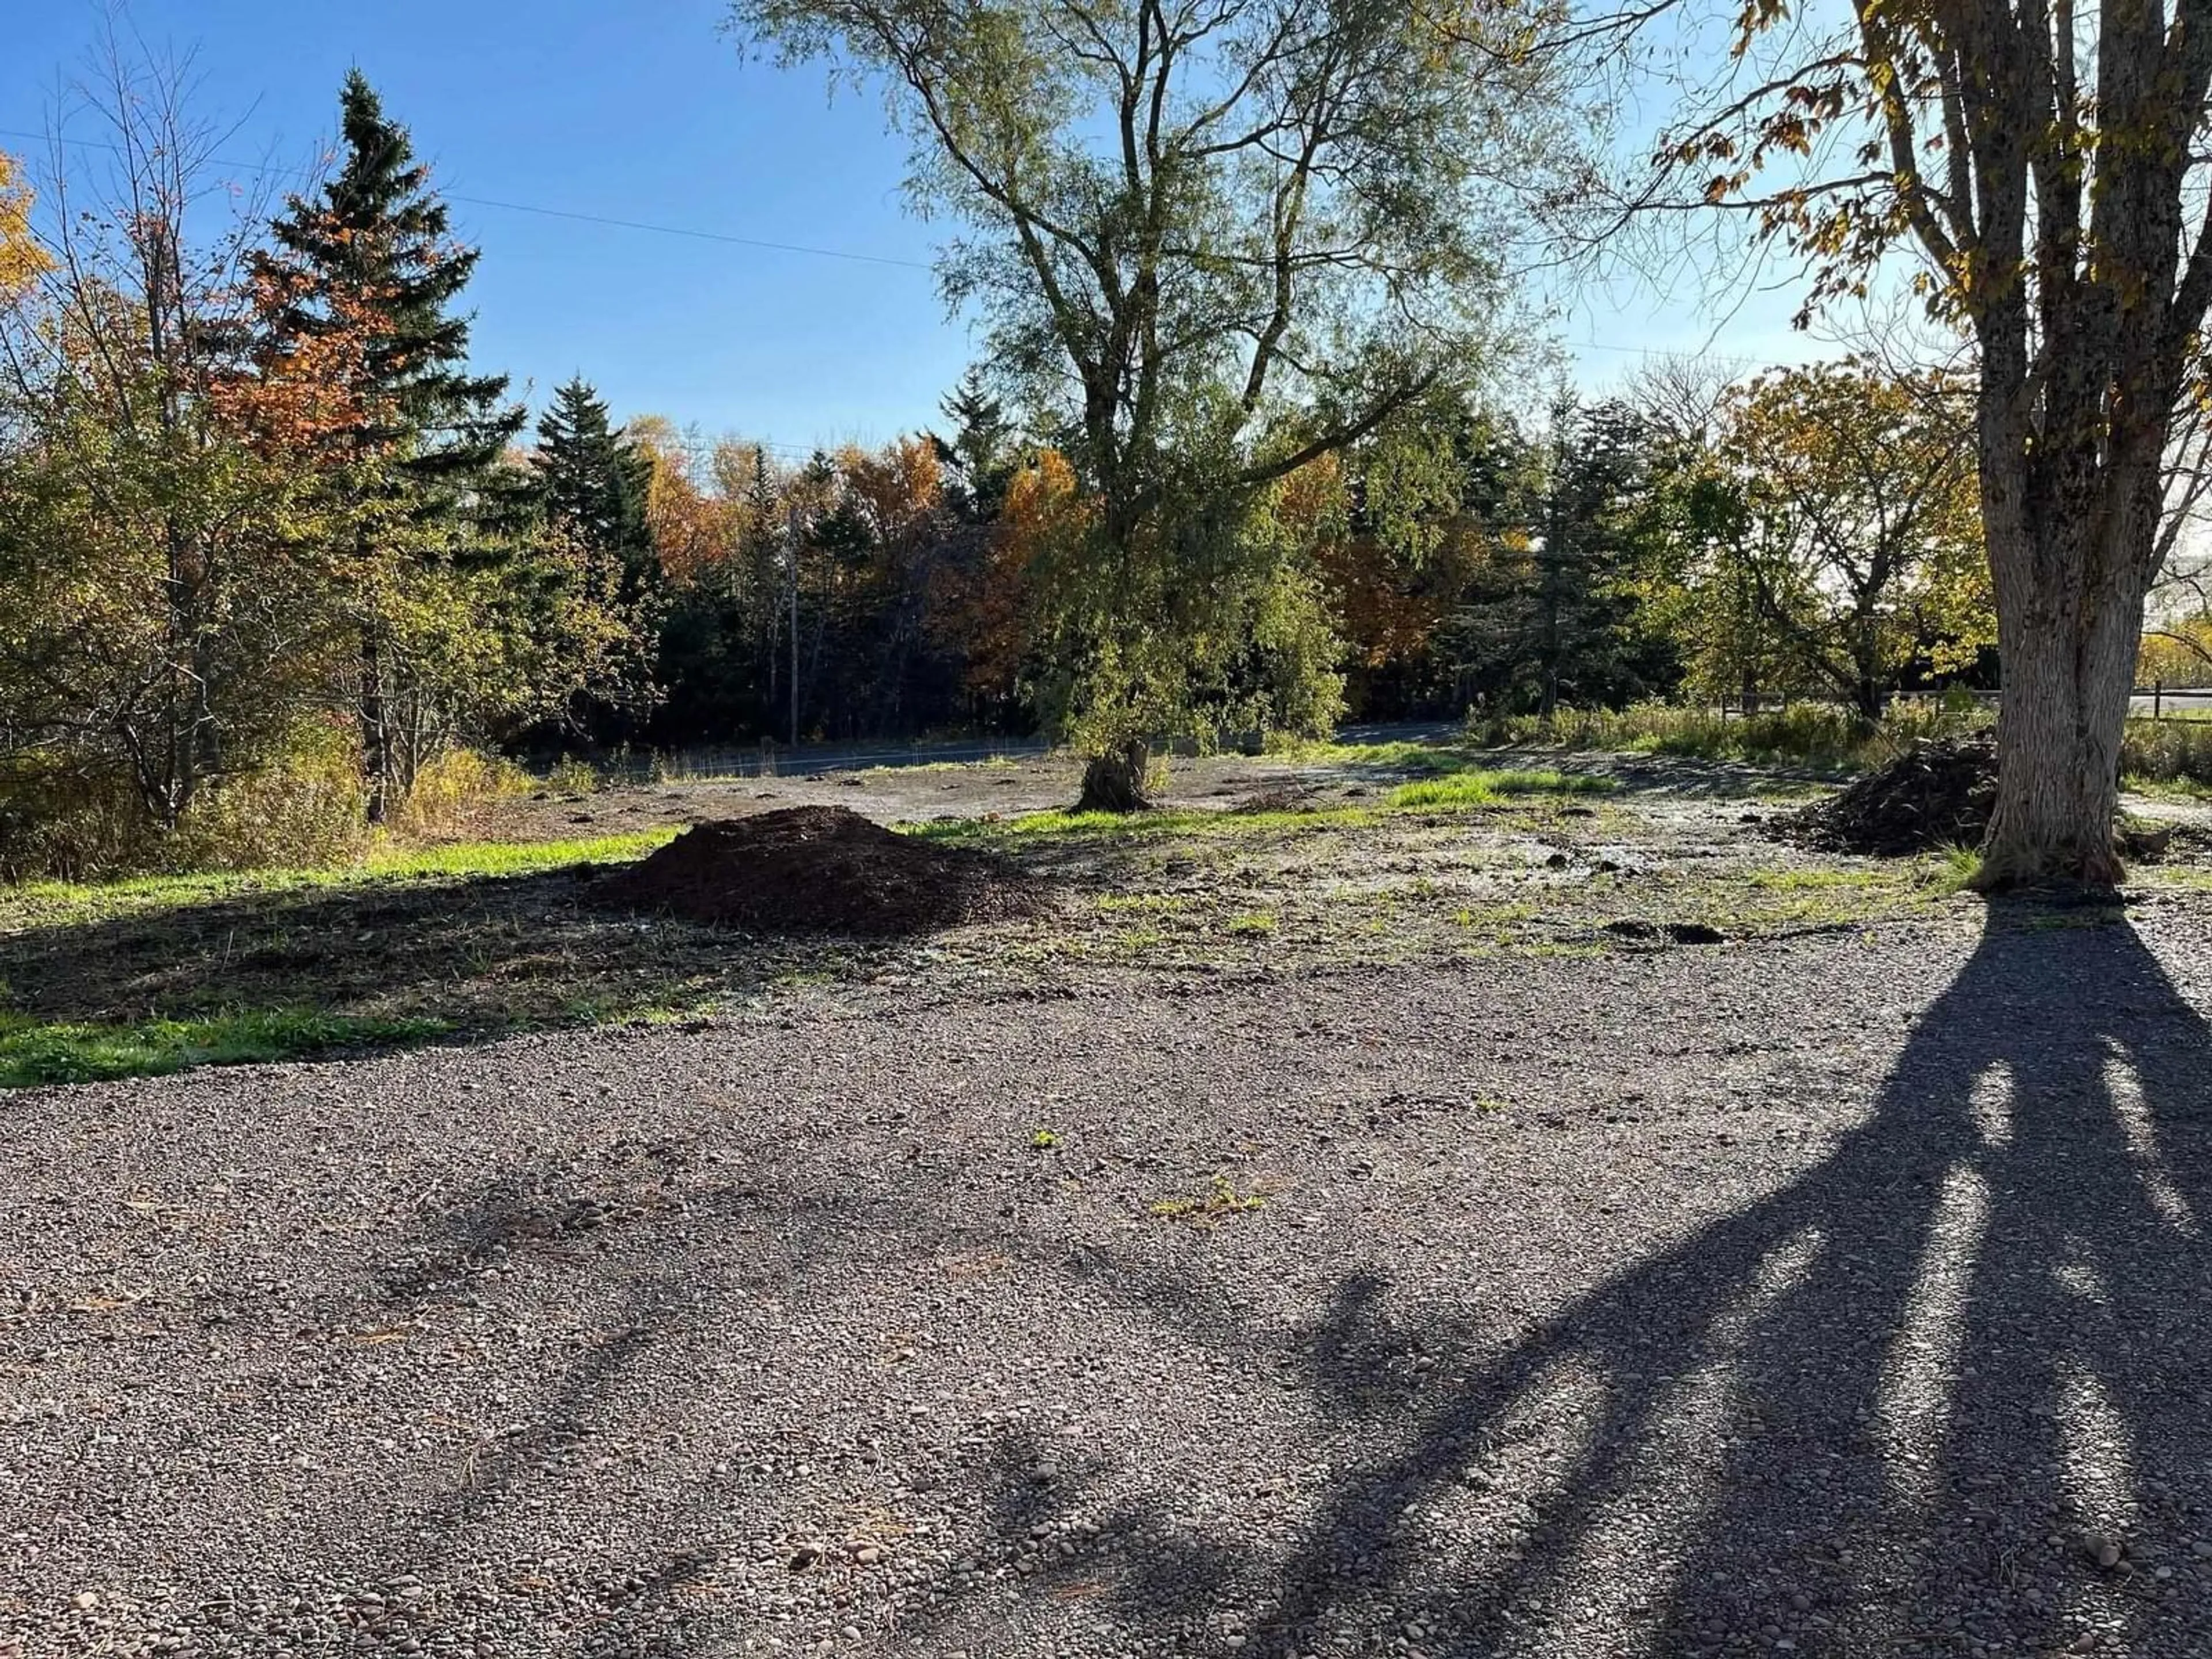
x=271, y=550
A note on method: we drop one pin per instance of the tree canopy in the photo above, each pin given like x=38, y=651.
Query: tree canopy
x=1212, y=241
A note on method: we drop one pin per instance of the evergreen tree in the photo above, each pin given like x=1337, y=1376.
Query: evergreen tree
x=378, y=242
x=1552, y=615
x=591, y=483
x=372, y=258
x=979, y=456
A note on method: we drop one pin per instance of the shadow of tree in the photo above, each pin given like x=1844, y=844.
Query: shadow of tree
x=484, y=953
x=1941, y=1393
x=1905, y=1400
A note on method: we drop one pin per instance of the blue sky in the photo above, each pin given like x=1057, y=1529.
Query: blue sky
x=644, y=113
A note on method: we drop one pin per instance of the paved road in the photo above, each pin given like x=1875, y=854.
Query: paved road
x=2194, y=703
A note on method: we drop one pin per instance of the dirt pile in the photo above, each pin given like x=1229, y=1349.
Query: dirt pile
x=1935, y=794
x=1284, y=797
x=820, y=870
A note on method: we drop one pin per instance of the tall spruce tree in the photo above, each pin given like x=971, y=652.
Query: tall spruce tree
x=1551, y=617
x=979, y=458
x=591, y=483
x=372, y=255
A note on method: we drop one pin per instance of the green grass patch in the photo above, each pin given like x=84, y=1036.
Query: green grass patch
x=1456, y=785
x=54, y=903
x=32, y=1052
x=1458, y=790
x=1792, y=881
x=1138, y=941
x=2137, y=783
x=1951, y=871
x=1419, y=759
x=1253, y=921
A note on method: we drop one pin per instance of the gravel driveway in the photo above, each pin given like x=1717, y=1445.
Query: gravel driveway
x=1839, y=1295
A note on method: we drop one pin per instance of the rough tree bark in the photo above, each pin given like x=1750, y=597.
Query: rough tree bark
x=2072, y=550
x=375, y=738
x=1114, y=782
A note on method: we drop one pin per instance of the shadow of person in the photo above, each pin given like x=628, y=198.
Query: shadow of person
x=1944, y=1392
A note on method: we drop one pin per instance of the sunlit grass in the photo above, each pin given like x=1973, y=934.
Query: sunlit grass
x=1952, y=870
x=55, y=904
x=1420, y=758
x=35, y=1052
x=1153, y=902
x=2136, y=783
x=1452, y=791
x=1490, y=788
x=987, y=764
x=1803, y=880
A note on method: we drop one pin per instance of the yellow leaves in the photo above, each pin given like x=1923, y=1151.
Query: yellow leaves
x=2176, y=652
x=22, y=258
x=900, y=485
x=1312, y=497
x=1043, y=503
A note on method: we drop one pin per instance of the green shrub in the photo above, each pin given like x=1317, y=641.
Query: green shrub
x=446, y=791
x=76, y=825
x=302, y=807
x=575, y=777
x=307, y=808
x=1822, y=735
x=2170, y=752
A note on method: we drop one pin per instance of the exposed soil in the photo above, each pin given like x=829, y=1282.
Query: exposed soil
x=1935, y=794
x=1676, y=842
x=821, y=870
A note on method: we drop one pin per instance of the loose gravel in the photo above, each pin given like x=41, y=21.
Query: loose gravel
x=1836, y=1295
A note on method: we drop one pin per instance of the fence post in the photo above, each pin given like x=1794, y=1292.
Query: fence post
x=2158, y=700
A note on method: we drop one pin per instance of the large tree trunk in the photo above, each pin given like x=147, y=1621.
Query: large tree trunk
x=2059, y=727
x=1114, y=782
x=2070, y=582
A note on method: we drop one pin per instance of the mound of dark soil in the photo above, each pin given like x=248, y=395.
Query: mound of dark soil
x=1935, y=794
x=1284, y=798
x=820, y=870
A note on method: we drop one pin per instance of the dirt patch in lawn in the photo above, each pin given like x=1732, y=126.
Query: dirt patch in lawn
x=821, y=870
x=1934, y=795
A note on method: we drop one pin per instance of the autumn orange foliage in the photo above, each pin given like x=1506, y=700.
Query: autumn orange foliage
x=305, y=391
x=983, y=612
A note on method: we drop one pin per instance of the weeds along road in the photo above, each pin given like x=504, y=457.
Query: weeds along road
x=1830, y=1295
x=810, y=760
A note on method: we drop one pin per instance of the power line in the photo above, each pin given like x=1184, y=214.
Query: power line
x=691, y=232
x=696, y=234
